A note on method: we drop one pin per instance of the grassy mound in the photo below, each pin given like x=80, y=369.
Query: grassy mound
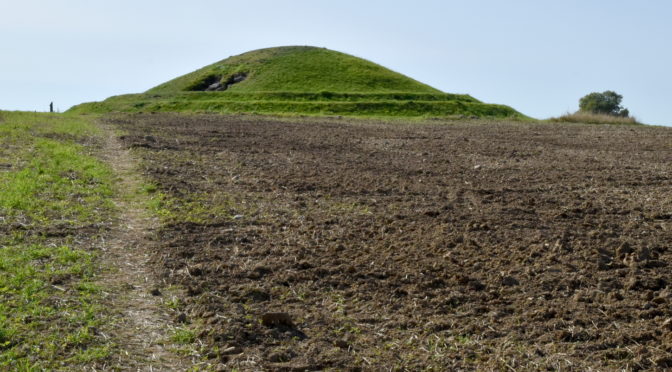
x=299, y=80
x=296, y=69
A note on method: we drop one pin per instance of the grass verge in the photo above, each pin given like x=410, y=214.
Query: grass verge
x=54, y=201
x=589, y=118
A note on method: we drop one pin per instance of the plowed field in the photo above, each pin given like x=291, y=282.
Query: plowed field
x=472, y=246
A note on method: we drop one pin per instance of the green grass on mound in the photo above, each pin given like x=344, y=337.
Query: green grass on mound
x=299, y=81
x=298, y=69
x=359, y=106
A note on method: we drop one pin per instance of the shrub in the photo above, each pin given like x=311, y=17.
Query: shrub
x=605, y=103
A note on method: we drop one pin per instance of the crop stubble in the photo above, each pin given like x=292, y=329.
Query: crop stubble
x=468, y=245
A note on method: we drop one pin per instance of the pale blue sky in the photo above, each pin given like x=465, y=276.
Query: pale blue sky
x=538, y=56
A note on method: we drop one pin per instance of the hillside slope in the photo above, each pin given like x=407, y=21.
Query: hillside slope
x=299, y=80
x=296, y=69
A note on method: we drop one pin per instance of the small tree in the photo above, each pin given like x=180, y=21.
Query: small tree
x=607, y=103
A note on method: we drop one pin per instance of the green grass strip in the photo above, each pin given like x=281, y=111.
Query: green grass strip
x=49, y=307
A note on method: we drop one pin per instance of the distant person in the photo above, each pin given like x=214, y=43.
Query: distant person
x=51, y=107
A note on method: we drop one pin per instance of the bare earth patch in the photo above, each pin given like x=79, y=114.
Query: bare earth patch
x=313, y=244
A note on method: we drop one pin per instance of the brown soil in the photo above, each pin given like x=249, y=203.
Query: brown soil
x=314, y=244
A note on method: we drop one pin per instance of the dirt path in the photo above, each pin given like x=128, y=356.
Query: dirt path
x=144, y=324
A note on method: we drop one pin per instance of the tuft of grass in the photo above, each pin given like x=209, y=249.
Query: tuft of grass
x=183, y=336
x=50, y=309
x=590, y=118
x=192, y=208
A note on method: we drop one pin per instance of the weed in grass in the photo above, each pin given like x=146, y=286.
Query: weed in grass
x=174, y=303
x=183, y=336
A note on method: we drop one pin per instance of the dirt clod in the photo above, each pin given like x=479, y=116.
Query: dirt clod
x=509, y=281
x=277, y=319
x=181, y=318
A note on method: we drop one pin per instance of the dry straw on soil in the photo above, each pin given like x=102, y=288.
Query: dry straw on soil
x=590, y=118
x=416, y=247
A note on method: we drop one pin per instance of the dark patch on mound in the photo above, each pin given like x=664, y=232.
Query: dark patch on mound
x=205, y=83
x=215, y=83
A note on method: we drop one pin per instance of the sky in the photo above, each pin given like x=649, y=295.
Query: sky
x=538, y=56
